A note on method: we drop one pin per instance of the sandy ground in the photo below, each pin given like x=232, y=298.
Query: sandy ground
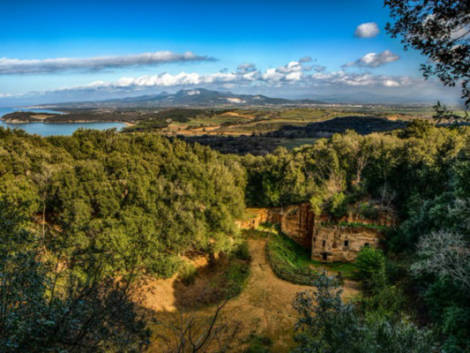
x=264, y=307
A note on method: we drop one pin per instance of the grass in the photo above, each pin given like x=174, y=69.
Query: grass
x=293, y=263
x=289, y=260
x=187, y=273
x=235, y=275
x=347, y=269
x=259, y=344
x=360, y=225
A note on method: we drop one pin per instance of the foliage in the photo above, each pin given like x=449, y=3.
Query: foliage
x=289, y=260
x=82, y=216
x=187, y=273
x=445, y=255
x=443, y=114
x=327, y=325
x=49, y=307
x=439, y=29
x=137, y=200
x=370, y=264
x=338, y=205
x=235, y=278
x=242, y=252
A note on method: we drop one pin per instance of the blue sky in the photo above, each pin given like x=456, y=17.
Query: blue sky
x=267, y=34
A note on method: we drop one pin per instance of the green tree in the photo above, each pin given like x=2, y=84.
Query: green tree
x=370, y=264
x=327, y=325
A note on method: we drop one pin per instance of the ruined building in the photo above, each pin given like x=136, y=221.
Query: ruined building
x=329, y=240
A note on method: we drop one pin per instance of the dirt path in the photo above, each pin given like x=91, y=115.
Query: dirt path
x=264, y=307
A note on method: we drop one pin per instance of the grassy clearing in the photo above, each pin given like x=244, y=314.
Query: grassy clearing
x=292, y=262
x=346, y=269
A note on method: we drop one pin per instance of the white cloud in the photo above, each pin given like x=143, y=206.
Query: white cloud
x=291, y=79
x=19, y=66
x=391, y=83
x=374, y=59
x=289, y=74
x=367, y=30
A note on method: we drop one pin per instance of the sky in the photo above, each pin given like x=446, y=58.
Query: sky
x=55, y=51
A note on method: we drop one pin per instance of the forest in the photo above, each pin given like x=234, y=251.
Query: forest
x=84, y=217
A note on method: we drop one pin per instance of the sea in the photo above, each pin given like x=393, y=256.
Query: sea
x=51, y=129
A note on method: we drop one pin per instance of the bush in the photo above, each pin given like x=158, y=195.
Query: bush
x=187, y=274
x=338, y=205
x=236, y=276
x=370, y=264
x=242, y=252
x=368, y=211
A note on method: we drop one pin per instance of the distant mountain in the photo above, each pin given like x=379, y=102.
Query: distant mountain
x=199, y=97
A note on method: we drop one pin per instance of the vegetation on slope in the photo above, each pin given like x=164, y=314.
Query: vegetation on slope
x=289, y=260
x=100, y=206
x=97, y=210
x=423, y=171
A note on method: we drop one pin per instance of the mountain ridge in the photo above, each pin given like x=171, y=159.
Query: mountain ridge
x=197, y=97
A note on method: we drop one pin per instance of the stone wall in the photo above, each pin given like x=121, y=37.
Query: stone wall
x=297, y=223
x=328, y=240
x=342, y=243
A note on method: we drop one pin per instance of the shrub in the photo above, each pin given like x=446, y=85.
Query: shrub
x=338, y=205
x=187, y=274
x=368, y=211
x=370, y=264
x=236, y=276
x=242, y=252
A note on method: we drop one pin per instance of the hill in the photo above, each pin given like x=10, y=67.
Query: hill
x=199, y=97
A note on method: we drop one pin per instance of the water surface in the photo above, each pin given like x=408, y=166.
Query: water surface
x=50, y=129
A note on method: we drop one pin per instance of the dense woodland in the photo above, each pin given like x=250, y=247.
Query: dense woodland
x=85, y=216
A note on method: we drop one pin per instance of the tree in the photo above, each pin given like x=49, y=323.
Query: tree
x=444, y=254
x=439, y=29
x=370, y=263
x=443, y=114
x=327, y=325
x=47, y=306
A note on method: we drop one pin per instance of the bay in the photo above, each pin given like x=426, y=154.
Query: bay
x=52, y=129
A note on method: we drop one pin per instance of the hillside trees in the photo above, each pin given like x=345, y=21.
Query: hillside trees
x=132, y=199
x=83, y=216
x=328, y=325
x=421, y=172
x=47, y=305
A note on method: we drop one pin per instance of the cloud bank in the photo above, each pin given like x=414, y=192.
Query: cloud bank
x=367, y=30
x=292, y=80
x=372, y=60
x=293, y=74
x=18, y=66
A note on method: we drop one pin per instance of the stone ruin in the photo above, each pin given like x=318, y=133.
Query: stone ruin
x=330, y=240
